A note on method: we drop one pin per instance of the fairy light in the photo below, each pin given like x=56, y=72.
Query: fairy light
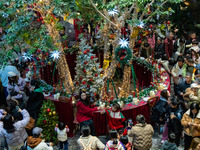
x=113, y=12
x=141, y=24
x=55, y=55
x=123, y=42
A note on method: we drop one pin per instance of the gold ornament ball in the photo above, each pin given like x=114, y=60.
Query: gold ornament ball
x=94, y=68
x=87, y=72
x=49, y=63
x=54, y=112
x=101, y=75
x=50, y=113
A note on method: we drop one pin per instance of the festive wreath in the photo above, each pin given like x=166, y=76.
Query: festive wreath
x=123, y=54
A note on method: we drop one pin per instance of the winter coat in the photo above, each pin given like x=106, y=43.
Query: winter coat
x=37, y=144
x=111, y=146
x=191, y=130
x=142, y=136
x=19, y=135
x=4, y=74
x=17, y=87
x=186, y=96
x=187, y=68
x=144, y=53
x=159, y=51
x=34, y=103
x=168, y=44
x=62, y=134
x=183, y=86
x=177, y=74
x=179, y=49
x=159, y=111
x=115, y=119
x=174, y=125
x=84, y=112
x=91, y=141
x=168, y=146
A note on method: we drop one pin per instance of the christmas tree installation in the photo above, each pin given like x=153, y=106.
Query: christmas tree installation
x=88, y=71
x=47, y=120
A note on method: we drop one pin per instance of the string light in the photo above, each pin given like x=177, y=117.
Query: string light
x=26, y=56
x=55, y=55
x=113, y=12
x=123, y=42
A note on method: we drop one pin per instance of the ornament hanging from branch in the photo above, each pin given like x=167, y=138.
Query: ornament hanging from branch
x=26, y=56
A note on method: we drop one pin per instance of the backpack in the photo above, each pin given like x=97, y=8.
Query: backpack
x=89, y=146
x=112, y=148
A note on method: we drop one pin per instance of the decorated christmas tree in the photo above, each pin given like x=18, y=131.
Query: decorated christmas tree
x=47, y=120
x=88, y=71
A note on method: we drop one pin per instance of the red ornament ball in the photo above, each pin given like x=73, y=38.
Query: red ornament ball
x=85, y=52
x=96, y=56
x=42, y=63
x=88, y=50
x=42, y=22
x=91, y=80
x=88, y=86
x=34, y=4
x=38, y=58
x=92, y=57
x=38, y=51
x=85, y=62
x=41, y=18
x=47, y=54
x=151, y=26
x=168, y=22
x=149, y=12
x=76, y=82
x=48, y=109
x=121, y=58
x=99, y=66
x=96, y=75
x=45, y=121
x=84, y=70
x=80, y=78
x=139, y=42
x=84, y=82
x=95, y=94
x=38, y=20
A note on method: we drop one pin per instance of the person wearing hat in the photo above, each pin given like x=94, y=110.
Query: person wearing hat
x=195, y=95
x=35, y=142
x=4, y=76
x=194, y=52
x=16, y=84
x=142, y=134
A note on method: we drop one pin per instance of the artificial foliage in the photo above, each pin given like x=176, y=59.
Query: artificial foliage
x=48, y=118
x=123, y=54
x=89, y=75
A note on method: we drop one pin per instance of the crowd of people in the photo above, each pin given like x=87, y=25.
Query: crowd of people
x=177, y=111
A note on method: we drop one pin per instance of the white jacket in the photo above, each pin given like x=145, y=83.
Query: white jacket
x=110, y=144
x=62, y=134
x=41, y=146
x=92, y=141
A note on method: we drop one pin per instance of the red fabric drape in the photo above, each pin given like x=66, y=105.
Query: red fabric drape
x=144, y=76
x=65, y=113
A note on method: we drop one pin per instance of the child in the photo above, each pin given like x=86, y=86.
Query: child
x=125, y=142
x=115, y=117
x=129, y=124
x=114, y=143
x=170, y=144
x=62, y=130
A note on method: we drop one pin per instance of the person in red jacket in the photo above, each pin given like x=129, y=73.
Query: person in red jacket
x=84, y=112
x=115, y=118
x=169, y=46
